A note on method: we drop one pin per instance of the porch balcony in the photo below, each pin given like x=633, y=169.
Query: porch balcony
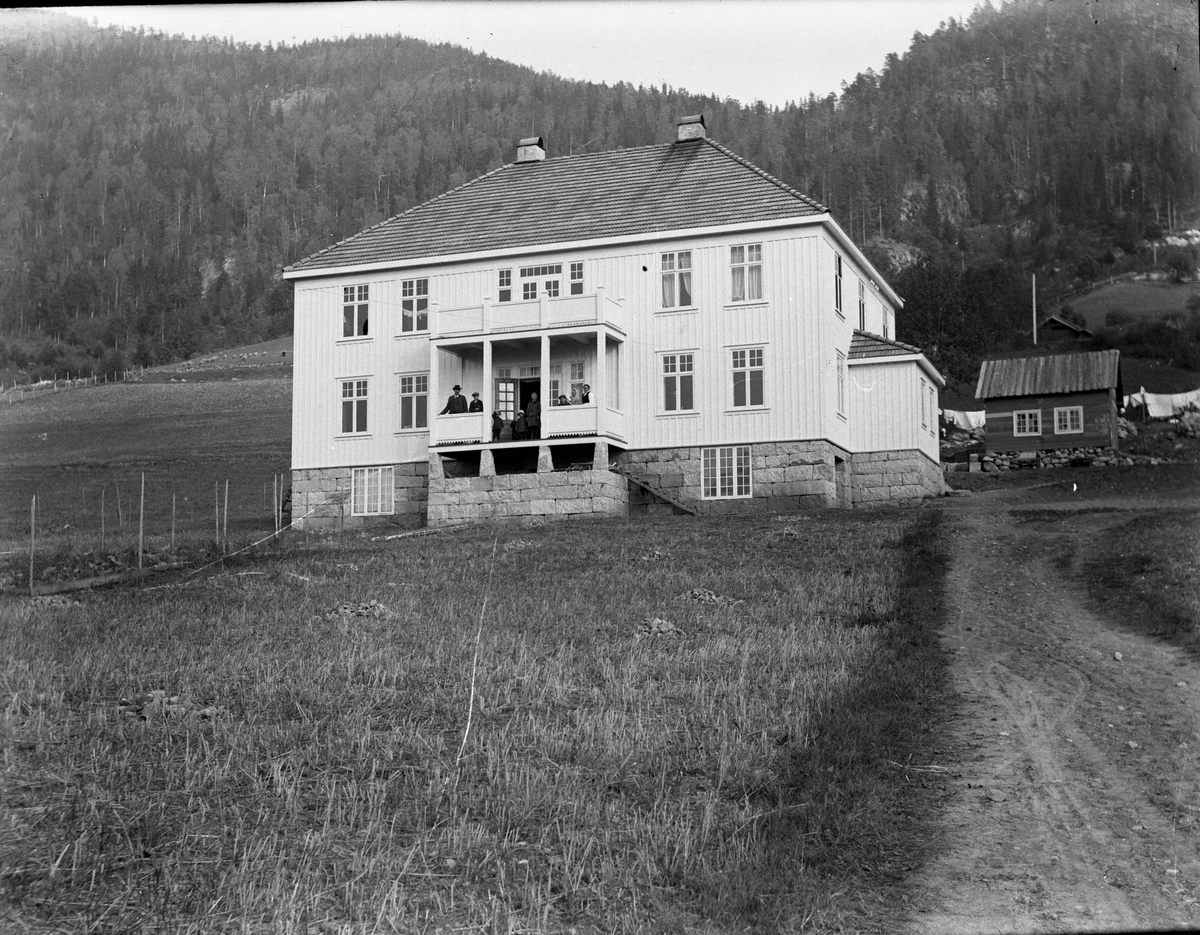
x=558, y=422
x=532, y=315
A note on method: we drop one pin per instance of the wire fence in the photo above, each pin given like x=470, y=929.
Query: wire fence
x=20, y=392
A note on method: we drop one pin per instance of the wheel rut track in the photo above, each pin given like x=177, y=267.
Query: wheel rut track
x=1053, y=824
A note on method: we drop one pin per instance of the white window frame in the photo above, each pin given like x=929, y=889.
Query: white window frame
x=373, y=491
x=414, y=387
x=672, y=368
x=355, y=305
x=534, y=283
x=1025, y=415
x=862, y=306
x=504, y=285
x=837, y=285
x=414, y=303
x=577, y=278
x=355, y=392
x=933, y=412
x=745, y=273
x=1063, y=414
x=676, y=268
x=726, y=473
x=748, y=360
x=924, y=419
x=841, y=383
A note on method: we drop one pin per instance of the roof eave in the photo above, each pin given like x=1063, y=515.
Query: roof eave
x=849, y=245
x=920, y=359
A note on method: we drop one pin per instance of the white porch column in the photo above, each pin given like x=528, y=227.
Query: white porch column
x=435, y=392
x=544, y=384
x=488, y=384
x=600, y=381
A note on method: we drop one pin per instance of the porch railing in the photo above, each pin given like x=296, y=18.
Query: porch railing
x=491, y=317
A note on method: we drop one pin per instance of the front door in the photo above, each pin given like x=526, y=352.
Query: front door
x=506, y=398
x=529, y=386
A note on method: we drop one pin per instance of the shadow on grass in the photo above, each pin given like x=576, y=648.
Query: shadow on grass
x=851, y=821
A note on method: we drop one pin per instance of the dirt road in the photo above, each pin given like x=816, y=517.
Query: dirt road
x=1074, y=771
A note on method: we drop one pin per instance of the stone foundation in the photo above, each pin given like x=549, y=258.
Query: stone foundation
x=784, y=476
x=894, y=478
x=1060, y=457
x=546, y=495
x=321, y=498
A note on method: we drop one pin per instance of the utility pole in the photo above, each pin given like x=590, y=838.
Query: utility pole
x=1035, y=308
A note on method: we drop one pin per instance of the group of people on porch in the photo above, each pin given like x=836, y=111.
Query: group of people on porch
x=527, y=424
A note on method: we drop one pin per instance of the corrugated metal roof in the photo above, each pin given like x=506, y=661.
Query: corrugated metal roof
x=1041, y=374
x=865, y=344
x=676, y=186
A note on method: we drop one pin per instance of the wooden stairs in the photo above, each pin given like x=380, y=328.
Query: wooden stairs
x=646, y=485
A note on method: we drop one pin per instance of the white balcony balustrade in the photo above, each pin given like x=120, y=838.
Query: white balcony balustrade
x=493, y=317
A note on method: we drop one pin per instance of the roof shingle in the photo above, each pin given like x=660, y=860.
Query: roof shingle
x=677, y=186
x=865, y=344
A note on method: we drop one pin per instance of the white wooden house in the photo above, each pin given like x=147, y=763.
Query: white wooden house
x=736, y=344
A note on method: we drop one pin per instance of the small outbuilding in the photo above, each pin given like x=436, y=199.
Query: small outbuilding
x=1046, y=401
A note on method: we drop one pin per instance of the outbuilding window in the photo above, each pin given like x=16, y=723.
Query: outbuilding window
x=1068, y=420
x=1027, y=422
x=372, y=491
x=725, y=472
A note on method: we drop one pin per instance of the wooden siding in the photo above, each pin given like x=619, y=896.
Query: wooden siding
x=794, y=323
x=1099, y=421
x=885, y=408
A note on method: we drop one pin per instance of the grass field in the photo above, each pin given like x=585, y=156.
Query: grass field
x=504, y=742
x=1137, y=299
x=71, y=448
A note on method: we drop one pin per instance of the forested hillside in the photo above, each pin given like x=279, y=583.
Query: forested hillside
x=151, y=187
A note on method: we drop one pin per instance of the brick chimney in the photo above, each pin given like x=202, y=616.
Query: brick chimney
x=690, y=128
x=531, y=150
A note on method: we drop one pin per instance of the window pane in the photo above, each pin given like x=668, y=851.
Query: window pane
x=739, y=387
x=756, y=387
x=685, y=288
x=406, y=315
x=709, y=472
x=422, y=412
x=668, y=261
x=361, y=413
x=685, y=259
x=347, y=416
x=356, y=491
x=669, y=402
x=422, y=314
x=348, y=321
x=406, y=412
x=755, y=254
x=737, y=254
x=372, y=490
x=738, y=284
x=754, y=291
x=685, y=391
x=668, y=290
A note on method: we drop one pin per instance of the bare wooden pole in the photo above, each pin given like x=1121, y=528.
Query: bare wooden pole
x=275, y=503
x=226, y=536
x=141, y=519
x=32, y=538
x=120, y=515
x=172, y=522
x=101, y=519
x=217, y=512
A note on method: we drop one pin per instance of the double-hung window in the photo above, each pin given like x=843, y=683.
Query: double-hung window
x=862, y=306
x=679, y=373
x=1068, y=420
x=354, y=407
x=924, y=419
x=745, y=272
x=1027, y=422
x=837, y=284
x=414, y=305
x=414, y=401
x=577, y=378
x=372, y=491
x=725, y=472
x=354, y=311
x=747, y=366
x=504, y=286
x=577, y=279
x=677, y=279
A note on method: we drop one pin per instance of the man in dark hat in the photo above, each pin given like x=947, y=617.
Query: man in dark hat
x=457, y=403
x=476, y=404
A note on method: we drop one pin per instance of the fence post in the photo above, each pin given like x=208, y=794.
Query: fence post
x=32, y=539
x=226, y=536
x=101, y=519
x=141, y=519
x=172, y=522
x=217, y=511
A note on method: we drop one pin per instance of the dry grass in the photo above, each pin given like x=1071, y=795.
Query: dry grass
x=727, y=773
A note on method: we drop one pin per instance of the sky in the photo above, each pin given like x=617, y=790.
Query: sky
x=775, y=51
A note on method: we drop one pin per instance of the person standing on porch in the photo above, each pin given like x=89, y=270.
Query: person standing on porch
x=533, y=416
x=587, y=394
x=456, y=404
x=476, y=404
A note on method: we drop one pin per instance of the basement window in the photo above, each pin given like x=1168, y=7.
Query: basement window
x=372, y=491
x=1027, y=422
x=725, y=472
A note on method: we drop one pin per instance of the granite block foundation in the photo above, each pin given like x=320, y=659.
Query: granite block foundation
x=894, y=478
x=321, y=498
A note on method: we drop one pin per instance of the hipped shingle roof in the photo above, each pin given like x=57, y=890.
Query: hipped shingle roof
x=692, y=184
